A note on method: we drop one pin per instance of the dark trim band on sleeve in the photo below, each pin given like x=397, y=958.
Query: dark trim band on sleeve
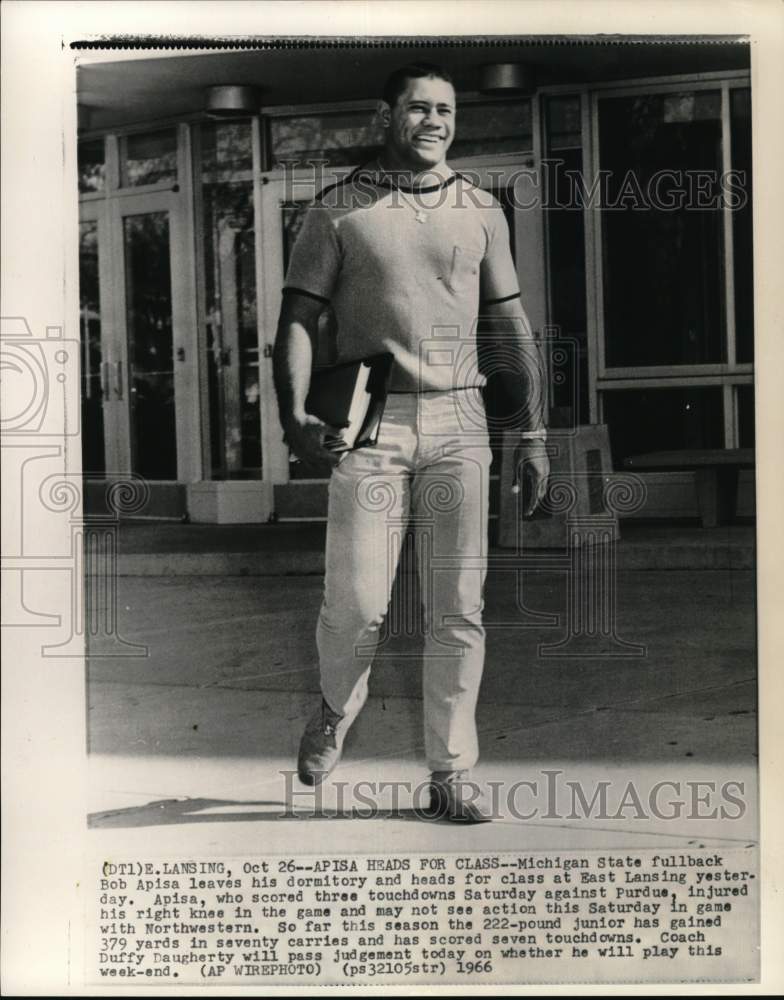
x=505, y=298
x=292, y=290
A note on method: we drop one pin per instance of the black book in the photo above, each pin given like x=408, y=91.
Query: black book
x=351, y=398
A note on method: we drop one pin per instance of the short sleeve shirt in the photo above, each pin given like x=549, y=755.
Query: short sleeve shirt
x=405, y=272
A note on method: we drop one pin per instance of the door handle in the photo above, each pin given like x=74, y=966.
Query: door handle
x=118, y=382
x=105, y=380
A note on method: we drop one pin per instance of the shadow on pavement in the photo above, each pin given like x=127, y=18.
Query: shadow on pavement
x=164, y=812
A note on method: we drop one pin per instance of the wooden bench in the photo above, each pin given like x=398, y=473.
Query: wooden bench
x=717, y=476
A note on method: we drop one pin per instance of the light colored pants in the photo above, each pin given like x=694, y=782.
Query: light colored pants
x=429, y=470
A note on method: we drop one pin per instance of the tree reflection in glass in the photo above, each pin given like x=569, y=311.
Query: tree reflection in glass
x=230, y=292
x=662, y=225
x=150, y=345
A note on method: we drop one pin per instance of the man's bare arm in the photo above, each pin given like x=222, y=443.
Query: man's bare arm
x=292, y=361
x=512, y=353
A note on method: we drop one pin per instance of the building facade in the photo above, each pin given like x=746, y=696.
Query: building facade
x=625, y=175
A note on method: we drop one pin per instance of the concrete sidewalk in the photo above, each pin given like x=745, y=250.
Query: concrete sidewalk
x=188, y=742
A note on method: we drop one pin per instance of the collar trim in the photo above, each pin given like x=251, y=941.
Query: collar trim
x=381, y=178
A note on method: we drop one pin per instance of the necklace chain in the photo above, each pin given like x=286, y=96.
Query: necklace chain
x=419, y=213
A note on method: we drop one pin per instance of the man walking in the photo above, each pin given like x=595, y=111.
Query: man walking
x=406, y=251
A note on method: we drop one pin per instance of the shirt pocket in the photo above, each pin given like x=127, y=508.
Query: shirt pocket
x=464, y=271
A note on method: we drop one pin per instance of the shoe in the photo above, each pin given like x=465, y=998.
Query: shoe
x=455, y=798
x=321, y=745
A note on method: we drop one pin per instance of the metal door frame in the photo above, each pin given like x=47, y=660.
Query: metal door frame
x=186, y=399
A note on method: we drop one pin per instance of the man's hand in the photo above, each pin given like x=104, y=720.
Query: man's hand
x=531, y=470
x=305, y=436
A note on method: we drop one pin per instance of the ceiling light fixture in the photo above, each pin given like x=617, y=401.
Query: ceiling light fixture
x=506, y=78
x=231, y=101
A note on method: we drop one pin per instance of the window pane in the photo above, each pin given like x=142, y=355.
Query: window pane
x=91, y=165
x=740, y=118
x=230, y=284
x=485, y=129
x=90, y=332
x=563, y=122
x=150, y=344
x=746, y=436
x=350, y=137
x=353, y=137
x=226, y=146
x=148, y=158
x=642, y=420
x=663, y=254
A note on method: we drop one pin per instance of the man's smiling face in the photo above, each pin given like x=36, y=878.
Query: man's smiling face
x=422, y=123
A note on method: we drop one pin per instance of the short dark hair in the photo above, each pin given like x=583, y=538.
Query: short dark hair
x=396, y=82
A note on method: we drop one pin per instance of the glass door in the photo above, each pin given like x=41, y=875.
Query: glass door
x=151, y=372
x=98, y=415
x=225, y=209
x=673, y=266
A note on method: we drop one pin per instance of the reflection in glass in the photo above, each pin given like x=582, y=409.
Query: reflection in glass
x=490, y=129
x=148, y=158
x=740, y=121
x=91, y=165
x=226, y=149
x=90, y=333
x=230, y=284
x=344, y=138
x=150, y=345
x=352, y=137
x=662, y=227
x=643, y=420
x=564, y=123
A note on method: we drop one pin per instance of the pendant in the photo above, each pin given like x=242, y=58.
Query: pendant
x=420, y=216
